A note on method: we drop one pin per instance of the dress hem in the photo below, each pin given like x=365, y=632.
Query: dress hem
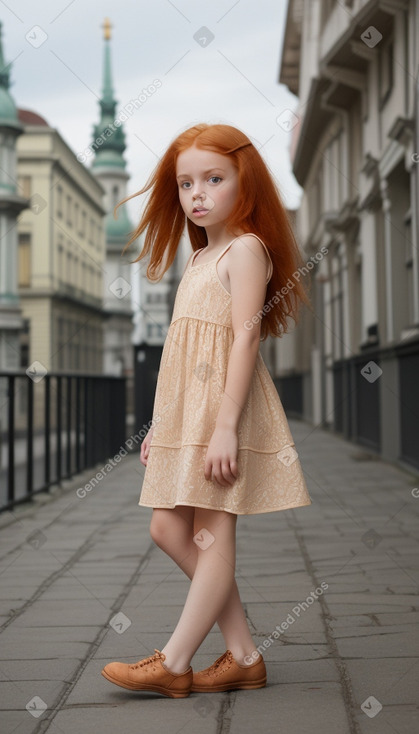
x=289, y=506
x=240, y=448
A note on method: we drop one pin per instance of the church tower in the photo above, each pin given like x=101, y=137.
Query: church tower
x=109, y=167
x=11, y=204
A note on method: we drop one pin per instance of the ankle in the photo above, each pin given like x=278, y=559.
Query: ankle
x=175, y=665
x=246, y=657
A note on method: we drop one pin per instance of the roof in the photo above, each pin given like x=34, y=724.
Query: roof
x=28, y=117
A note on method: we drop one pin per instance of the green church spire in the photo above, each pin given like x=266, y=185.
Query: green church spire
x=8, y=111
x=109, y=165
x=108, y=135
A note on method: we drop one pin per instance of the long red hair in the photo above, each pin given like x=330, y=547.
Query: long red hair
x=258, y=209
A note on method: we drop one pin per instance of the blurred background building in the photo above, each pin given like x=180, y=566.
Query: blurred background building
x=11, y=205
x=61, y=253
x=353, y=65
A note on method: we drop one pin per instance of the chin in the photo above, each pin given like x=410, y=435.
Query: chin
x=197, y=222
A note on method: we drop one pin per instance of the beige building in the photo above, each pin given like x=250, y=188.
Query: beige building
x=61, y=252
x=353, y=65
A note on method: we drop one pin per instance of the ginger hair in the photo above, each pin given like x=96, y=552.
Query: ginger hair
x=258, y=209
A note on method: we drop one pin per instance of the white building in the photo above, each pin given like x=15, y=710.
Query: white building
x=353, y=65
x=11, y=205
x=61, y=252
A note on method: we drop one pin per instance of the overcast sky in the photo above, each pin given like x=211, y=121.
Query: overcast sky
x=231, y=78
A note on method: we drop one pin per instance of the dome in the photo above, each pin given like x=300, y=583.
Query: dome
x=8, y=112
x=118, y=228
x=28, y=117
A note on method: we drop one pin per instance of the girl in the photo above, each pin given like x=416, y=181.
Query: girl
x=220, y=445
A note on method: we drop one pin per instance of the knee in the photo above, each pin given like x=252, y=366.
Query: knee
x=159, y=528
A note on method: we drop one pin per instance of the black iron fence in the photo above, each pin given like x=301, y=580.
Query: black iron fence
x=54, y=426
x=357, y=400
x=359, y=397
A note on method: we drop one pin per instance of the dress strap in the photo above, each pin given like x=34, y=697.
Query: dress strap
x=270, y=267
x=195, y=254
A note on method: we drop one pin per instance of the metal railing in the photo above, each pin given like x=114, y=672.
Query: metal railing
x=55, y=426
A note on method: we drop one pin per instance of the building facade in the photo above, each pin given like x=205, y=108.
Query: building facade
x=155, y=300
x=11, y=205
x=61, y=252
x=353, y=65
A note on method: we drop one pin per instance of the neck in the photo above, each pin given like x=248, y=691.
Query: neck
x=218, y=236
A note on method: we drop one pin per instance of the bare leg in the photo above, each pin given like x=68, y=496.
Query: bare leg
x=173, y=531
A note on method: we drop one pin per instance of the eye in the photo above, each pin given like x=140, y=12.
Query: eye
x=219, y=178
x=183, y=184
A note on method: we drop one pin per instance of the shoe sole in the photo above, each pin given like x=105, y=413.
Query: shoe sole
x=243, y=685
x=146, y=687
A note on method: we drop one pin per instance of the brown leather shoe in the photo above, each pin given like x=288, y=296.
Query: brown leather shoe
x=150, y=674
x=226, y=674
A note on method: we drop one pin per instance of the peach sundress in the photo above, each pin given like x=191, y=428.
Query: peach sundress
x=189, y=390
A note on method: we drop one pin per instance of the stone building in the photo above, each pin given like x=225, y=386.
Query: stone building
x=11, y=205
x=353, y=65
x=61, y=252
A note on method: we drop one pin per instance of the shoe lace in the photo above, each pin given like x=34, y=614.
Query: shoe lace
x=227, y=657
x=147, y=661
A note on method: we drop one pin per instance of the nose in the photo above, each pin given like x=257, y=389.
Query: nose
x=197, y=192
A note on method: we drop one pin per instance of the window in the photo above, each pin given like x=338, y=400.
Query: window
x=69, y=268
x=386, y=64
x=83, y=224
x=77, y=217
x=99, y=236
x=59, y=201
x=155, y=298
x=69, y=211
x=409, y=266
x=25, y=187
x=24, y=260
x=326, y=9
x=60, y=263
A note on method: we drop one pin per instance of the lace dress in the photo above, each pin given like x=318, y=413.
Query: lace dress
x=189, y=390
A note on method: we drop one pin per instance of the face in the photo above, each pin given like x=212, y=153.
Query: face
x=207, y=184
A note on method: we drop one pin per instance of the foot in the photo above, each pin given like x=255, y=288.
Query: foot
x=226, y=674
x=150, y=674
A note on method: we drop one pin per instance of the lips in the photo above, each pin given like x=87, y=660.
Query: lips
x=199, y=209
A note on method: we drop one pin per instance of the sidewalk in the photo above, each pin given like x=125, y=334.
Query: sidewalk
x=68, y=566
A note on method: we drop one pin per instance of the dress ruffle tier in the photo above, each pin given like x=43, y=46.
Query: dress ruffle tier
x=189, y=391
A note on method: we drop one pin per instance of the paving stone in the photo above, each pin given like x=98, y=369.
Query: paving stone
x=50, y=669
x=303, y=707
x=143, y=711
x=365, y=620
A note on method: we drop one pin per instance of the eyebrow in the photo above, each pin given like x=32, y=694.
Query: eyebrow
x=187, y=175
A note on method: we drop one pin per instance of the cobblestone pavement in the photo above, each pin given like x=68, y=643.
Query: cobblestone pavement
x=346, y=661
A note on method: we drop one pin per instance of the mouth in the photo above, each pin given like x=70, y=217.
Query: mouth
x=199, y=209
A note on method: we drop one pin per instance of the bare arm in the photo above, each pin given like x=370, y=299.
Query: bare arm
x=247, y=269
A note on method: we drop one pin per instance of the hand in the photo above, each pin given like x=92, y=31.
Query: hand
x=221, y=457
x=145, y=447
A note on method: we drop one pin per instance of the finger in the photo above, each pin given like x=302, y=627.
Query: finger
x=234, y=468
x=207, y=469
x=218, y=475
x=227, y=473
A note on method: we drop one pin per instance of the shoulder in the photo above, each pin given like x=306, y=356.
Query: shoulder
x=249, y=251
